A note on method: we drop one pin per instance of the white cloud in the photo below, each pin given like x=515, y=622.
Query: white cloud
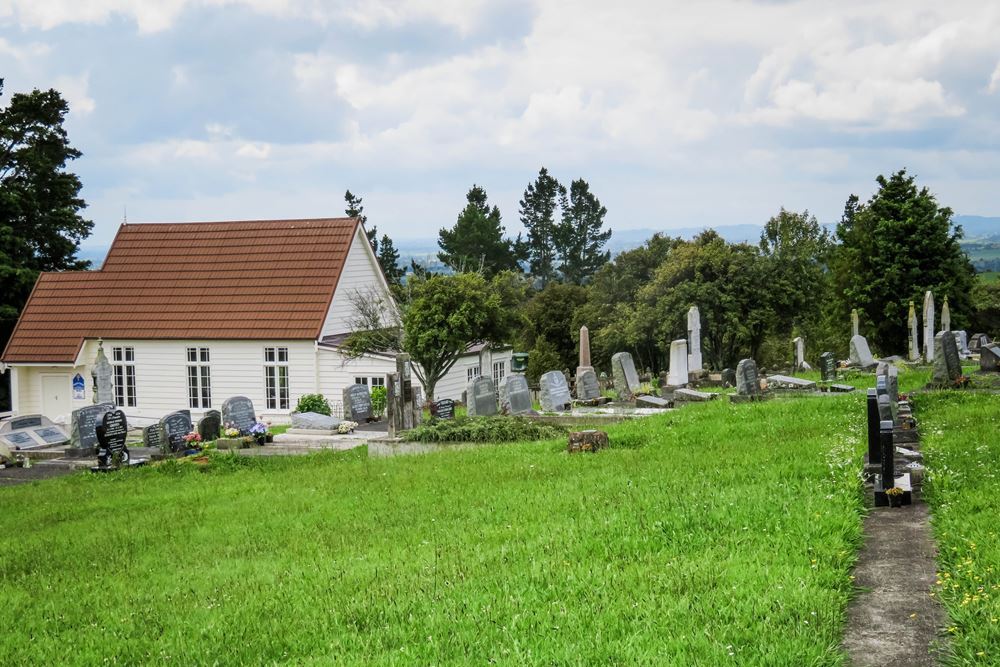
x=76, y=91
x=994, y=84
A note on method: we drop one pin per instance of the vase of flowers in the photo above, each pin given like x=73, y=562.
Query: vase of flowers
x=193, y=440
x=259, y=432
x=347, y=427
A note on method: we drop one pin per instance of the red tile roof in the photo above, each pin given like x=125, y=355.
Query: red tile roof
x=257, y=280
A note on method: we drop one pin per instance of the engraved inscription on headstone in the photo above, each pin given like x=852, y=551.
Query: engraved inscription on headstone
x=239, y=412
x=111, y=435
x=357, y=403
x=515, y=396
x=625, y=376
x=444, y=409
x=827, y=367
x=747, y=381
x=481, y=397
x=554, y=395
x=83, y=425
x=587, y=387
x=175, y=426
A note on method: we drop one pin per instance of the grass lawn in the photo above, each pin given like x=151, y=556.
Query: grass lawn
x=716, y=534
x=962, y=451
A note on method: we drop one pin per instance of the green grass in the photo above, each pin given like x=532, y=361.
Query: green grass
x=717, y=534
x=961, y=442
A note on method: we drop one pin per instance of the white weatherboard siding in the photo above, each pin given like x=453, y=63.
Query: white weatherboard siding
x=337, y=372
x=454, y=383
x=360, y=274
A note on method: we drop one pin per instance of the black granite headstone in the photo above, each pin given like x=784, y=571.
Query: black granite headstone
x=175, y=426
x=239, y=412
x=874, y=452
x=210, y=426
x=151, y=436
x=358, y=403
x=827, y=367
x=444, y=409
x=84, y=423
x=111, y=436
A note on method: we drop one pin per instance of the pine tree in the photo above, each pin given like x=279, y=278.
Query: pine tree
x=388, y=259
x=580, y=236
x=355, y=209
x=538, y=215
x=477, y=242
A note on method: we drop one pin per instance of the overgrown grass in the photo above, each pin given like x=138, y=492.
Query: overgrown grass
x=483, y=429
x=717, y=534
x=961, y=439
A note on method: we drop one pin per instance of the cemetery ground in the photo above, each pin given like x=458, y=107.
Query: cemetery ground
x=714, y=534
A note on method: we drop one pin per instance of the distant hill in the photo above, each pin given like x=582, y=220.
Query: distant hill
x=979, y=228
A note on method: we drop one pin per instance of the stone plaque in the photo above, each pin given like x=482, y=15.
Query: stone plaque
x=83, y=425
x=444, y=409
x=357, y=403
x=554, y=395
x=51, y=435
x=151, y=436
x=18, y=423
x=239, y=412
x=210, y=426
x=515, y=396
x=111, y=436
x=625, y=376
x=827, y=367
x=482, y=397
x=587, y=386
x=19, y=439
x=747, y=380
x=174, y=427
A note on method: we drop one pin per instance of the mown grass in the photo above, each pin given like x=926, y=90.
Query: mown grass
x=717, y=534
x=961, y=440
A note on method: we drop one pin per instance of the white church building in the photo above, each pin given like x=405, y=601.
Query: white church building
x=190, y=314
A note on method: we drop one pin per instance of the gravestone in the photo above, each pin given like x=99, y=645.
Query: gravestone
x=32, y=432
x=887, y=478
x=947, y=364
x=625, y=376
x=861, y=355
x=945, y=316
x=694, y=340
x=678, y=374
x=788, y=382
x=728, y=376
x=989, y=358
x=481, y=397
x=588, y=388
x=977, y=341
x=358, y=403
x=103, y=379
x=83, y=426
x=914, y=342
x=111, y=436
x=584, y=361
x=799, y=345
x=239, y=413
x=653, y=402
x=210, y=426
x=515, y=396
x=554, y=395
x=747, y=380
x=827, y=367
x=152, y=437
x=962, y=341
x=174, y=427
x=682, y=395
x=855, y=323
x=313, y=421
x=444, y=409
x=872, y=422
x=929, y=326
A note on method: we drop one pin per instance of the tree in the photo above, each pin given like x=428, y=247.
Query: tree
x=476, y=242
x=443, y=316
x=538, y=215
x=549, y=317
x=893, y=248
x=40, y=222
x=385, y=250
x=580, y=237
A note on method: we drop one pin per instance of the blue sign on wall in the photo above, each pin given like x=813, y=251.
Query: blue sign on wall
x=79, y=386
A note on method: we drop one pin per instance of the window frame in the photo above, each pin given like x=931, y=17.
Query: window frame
x=199, y=371
x=276, y=378
x=123, y=376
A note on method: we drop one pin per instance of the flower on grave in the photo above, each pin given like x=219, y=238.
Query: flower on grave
x=260, y=428
x=192, y=437
x=894, y=491
x=347, y=427
x=231, y=432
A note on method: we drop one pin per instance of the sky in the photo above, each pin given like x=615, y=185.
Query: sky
x=677, y=113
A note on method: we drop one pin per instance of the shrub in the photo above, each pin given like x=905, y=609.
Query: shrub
x=313, y=403
x=483, y=429
x=378, y=401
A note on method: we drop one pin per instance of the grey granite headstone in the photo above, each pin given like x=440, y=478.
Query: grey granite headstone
x=357, y=403
x=238, y=411
x=947, y=364
x=747, y=380
x=515, y=396
x=861, y=355
x=314, y=421
x=173, y=428
x=961, y=340
x=83, y=425
x=989, y=358
x=827, y=367
x=625, y=376
x=210, y=426
x=481, y=397
x=152, y=437
x=977, y=341
x=554, y=395
x=587, y=386
x=103, y=375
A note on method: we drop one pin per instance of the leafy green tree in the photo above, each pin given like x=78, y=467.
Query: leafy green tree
x=542, y=358
x=476, y=242
x=443, y=316
x=892, y=249
x=40, y=222
x=986, y=319
x=581, y=235
x=538, y=215
x=550, y=316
